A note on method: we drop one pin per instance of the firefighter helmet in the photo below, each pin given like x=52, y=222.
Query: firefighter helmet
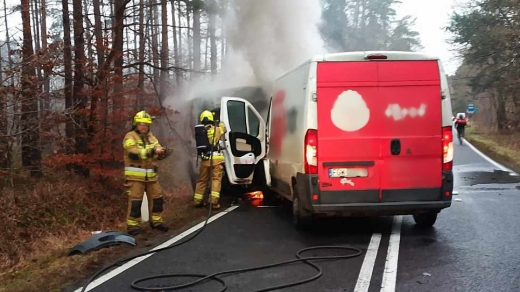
x=142, y=117
x=206, y=117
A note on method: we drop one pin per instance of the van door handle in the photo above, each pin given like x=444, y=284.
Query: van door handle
x=395, y=146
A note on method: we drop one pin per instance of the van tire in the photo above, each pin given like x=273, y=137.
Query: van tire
x=301, y=218
x=425, y=220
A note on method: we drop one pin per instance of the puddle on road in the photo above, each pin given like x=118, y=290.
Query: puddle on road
x=486, y=177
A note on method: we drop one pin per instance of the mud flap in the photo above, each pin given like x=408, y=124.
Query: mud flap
x=101, y=240
x=307, y=186
x=447, y=185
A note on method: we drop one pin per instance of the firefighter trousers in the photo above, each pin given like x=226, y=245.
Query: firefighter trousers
x=202, y=183
x=135, y=191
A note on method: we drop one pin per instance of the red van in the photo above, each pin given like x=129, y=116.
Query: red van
x=353, y=134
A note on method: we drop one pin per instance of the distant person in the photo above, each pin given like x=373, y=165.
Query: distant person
x=141, y=152
x=460, y=124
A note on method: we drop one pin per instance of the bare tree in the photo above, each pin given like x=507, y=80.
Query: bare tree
x=100, y=50
x=196, y=6
x=176, y=44
x=164, y=50
x=88, y=36
x=118, y=51
x=78, y=96
x=8, y=42
x=179, y=52
x=212, y=11
x=100, y=53
x=46, y=67
x=155, y=42
x=142, y=44
x=67, y=60
x=31, y=155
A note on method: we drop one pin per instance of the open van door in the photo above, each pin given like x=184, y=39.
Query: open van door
x=267, y=164
x=245, y=139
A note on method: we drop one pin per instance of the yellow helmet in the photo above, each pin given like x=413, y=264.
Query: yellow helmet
x=142, y=117
x=206, y=116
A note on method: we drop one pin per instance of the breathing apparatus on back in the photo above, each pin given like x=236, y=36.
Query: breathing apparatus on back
x=204, y=146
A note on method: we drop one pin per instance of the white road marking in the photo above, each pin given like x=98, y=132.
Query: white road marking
x=365, y=274
x=390, y=272
x=135, y=261
x=498, y=165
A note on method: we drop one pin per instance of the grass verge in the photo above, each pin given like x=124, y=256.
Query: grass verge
x=43, y=221
x=501, y=147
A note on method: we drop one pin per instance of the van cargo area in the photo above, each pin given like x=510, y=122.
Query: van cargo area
x=379, y=138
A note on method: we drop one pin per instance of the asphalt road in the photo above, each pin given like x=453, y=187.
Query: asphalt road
x=474, y=246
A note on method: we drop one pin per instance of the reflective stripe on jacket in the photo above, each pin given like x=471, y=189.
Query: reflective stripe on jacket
x=214, y=135
x=139, y=157
x=140, y=172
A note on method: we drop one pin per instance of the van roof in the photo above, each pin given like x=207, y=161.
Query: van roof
x=361, y=56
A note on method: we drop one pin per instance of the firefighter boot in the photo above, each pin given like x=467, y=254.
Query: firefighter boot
x=159, y=227
x=214, y=203
x=134, y=232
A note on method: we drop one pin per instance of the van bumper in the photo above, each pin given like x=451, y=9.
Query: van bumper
x=369, y=202
x=379, y=209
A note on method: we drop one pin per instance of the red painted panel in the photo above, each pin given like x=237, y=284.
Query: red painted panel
x=362, y=106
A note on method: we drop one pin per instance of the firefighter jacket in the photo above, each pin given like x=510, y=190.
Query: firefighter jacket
x=140, y=157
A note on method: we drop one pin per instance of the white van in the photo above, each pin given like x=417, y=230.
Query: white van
x=351, y=134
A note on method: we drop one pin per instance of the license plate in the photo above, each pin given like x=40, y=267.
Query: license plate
x=347, y=172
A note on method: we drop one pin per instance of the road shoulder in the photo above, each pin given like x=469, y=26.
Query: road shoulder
x=502, y=148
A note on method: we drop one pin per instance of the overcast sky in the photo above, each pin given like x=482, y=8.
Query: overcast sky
x=432, y=16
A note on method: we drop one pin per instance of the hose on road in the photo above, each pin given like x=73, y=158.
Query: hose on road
x=214, y=277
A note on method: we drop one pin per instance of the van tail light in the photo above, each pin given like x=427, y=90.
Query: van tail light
x=311, y=152
x=447, y=148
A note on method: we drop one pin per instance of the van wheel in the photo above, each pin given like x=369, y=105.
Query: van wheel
x=425, y=220
x=301, y=218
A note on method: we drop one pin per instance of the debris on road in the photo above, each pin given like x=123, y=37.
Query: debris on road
x=427, y=274
x=101, y=240
x=458, y=200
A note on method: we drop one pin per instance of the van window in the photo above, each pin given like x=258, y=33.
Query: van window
x=237, y=116
x=254, y=123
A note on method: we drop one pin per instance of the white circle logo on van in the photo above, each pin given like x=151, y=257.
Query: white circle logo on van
x=350, y=112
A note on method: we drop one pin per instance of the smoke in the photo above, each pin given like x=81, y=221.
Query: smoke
x=274, y=36
x=265, y=38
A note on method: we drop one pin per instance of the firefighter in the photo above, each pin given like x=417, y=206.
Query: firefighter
x=206, y=135
x=141, y=153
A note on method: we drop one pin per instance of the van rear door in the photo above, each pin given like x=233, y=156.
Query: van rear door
x=379, y=131
x=413, y=125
